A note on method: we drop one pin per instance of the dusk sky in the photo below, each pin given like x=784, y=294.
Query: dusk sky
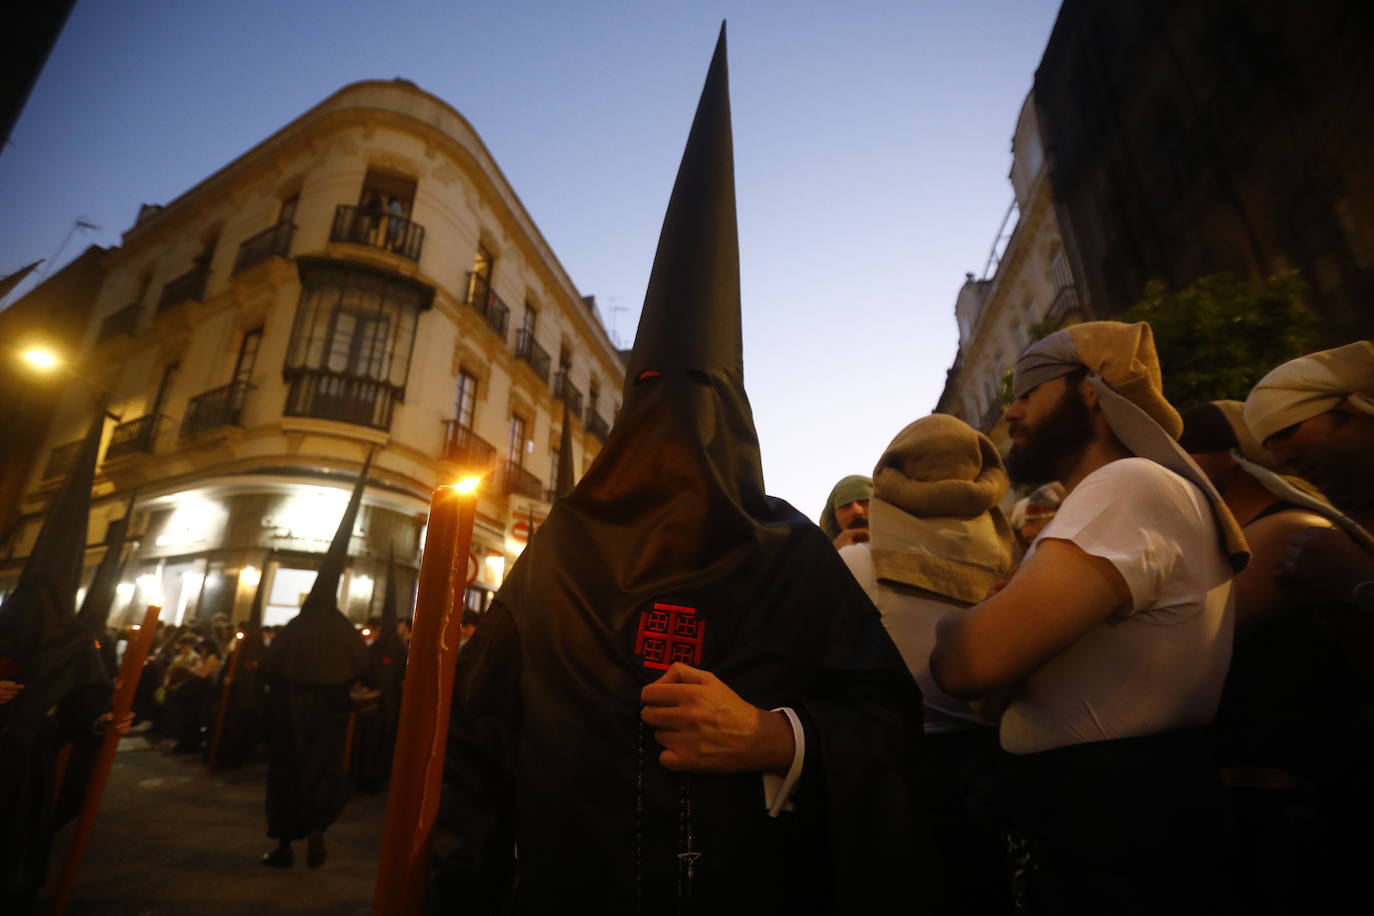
x=872, y=146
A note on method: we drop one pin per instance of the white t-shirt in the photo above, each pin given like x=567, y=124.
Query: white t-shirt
x=910, y=620
x=1161, y=664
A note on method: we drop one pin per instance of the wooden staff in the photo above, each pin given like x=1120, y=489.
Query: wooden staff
x=417, y=766
x=225, y=693
x=348, y=739
x=129, y=670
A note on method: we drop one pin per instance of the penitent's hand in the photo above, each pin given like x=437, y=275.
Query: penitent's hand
x=705, y=727
x=9, y=690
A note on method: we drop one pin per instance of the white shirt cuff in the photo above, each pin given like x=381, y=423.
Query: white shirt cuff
x=777, y=790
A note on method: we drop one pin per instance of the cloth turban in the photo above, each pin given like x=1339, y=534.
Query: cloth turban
x=935, y=521
x=848, y=490
x=1123, y=370
x=1302, y=388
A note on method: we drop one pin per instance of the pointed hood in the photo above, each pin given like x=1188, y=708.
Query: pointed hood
x=41, y=643
x=387, y=651
x=320, y=646
x=95, y=609
x=691, y=315
x=565, y=481
x=324, y=593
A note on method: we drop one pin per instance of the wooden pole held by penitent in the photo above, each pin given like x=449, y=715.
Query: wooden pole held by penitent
x=129, y=672
x=417, y=768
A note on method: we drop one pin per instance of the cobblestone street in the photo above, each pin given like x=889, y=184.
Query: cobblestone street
x=172, y=839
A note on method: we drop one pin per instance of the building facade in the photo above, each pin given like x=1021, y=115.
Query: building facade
x=1191, y=138
x=1027, y=289
x=363, y=279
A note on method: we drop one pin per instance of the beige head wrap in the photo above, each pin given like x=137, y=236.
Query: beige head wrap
x=934, y=519
x=1123, y=370
x=1256, y=461
x=1302, y=388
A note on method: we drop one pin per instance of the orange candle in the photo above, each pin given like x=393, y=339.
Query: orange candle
x=129, y=671
x=417, y=768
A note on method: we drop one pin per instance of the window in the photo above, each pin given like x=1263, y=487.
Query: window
x=516, y=446
x=593, y=394
x=482, y=263
x=564, y=360
x=465, y=401
x=553, y=467
x=288, y=209
x=531, y=319
x=355, y=322
x=390, y=194
x=248, y=356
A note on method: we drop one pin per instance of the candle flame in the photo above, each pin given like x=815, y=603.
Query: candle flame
x=467, y=485
x=238, y=635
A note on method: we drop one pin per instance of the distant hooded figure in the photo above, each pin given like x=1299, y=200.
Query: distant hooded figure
x=666, y=577
x=64, y=692
x=375, y=739
x=845, y=516
x=243, y=716
x=310, y=668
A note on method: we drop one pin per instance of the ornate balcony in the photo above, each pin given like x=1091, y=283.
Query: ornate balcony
x=123, y=322
x=516, y=479
x=597, y=425
x=378, y=229
x=489, y=305
x=133, y=437
x=222, y=406
x=528, y=349
x=189, y=287
x=346, y=398
x=563, y=388
x=466, y=448
x=61, y=459
x=272, y=242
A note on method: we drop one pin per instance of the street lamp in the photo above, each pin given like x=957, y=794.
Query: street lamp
x=41, y=358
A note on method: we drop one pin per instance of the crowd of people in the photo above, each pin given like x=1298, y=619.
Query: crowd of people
x=1152, y=682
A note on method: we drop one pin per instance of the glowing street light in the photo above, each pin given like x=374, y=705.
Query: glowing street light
x=40, y=358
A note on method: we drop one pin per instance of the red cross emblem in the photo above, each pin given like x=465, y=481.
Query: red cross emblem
x=669, y=633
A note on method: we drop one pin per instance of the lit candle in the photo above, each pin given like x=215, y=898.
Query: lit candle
x=417, y=768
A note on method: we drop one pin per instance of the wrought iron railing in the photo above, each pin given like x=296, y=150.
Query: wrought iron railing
x=468, y=449
x=222, y=406
x=61, y=459
x=189, y=287
x=124, y=321
x=597, y=425
x=272, y=242
x=1065, y=304
x=489, y=305
x=378, y=229
x=133, y=437
x=518, y=480
x=563, y=388
x=346, y=398
x=528, y=349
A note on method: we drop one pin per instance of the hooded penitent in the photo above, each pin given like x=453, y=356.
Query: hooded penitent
x=42, y=645
x=375, y=738
x=849, y=489
x=1124, y=372
x=45, y=648
x=319, y=646
x=100, y=595
x=309, y=668
x=243, y=717
x=669, y=550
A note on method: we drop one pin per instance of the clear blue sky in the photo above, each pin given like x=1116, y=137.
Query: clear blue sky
x=872, y=146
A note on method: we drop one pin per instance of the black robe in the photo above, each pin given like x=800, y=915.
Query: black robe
x=546, y=752
x=305, y=720
x=374, y=736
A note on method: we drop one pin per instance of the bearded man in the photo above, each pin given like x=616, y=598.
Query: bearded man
x=1110, y=644
x=845, y=516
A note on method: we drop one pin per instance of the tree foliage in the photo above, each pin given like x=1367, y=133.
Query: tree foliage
x=1217, y=337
